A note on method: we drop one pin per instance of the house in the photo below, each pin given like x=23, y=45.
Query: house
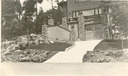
x=85, y=18
x=58, y=33
x=55, y=33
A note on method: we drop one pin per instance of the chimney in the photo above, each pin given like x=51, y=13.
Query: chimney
x=64, y=22
x=50, y=21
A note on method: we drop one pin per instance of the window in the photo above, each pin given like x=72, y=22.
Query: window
x=88, y=28
x=75, y=14
x=88, y=12
x=81, y=0
x=72, y=27
x=100, y=11
x=96, y=11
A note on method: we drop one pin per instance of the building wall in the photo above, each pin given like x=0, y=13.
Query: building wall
x=74, y=27
x=92, y=12
x=76, y=6
x=65, y=10
x=58, y=34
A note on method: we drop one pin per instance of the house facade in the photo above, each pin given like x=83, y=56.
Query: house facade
x=84, y=17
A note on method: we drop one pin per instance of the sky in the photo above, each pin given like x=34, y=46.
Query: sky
x=45, y=5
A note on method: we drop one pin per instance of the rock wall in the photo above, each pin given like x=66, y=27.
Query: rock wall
x=44, y=32
x=81, y=32
x=72, y=37
x=50, y=22
x=64, y=22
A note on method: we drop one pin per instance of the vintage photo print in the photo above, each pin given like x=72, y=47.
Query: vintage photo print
x=64, y=37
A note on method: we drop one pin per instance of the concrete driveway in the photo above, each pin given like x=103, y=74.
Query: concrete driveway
x=75, y=53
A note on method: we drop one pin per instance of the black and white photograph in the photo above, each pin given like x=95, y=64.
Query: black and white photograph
x=64, y=37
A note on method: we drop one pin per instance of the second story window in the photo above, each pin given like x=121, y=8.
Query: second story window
x=75, y=14
x=90, y=12
x=81, y=0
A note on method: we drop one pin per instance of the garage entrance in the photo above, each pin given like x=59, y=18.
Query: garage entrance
x=93, y=32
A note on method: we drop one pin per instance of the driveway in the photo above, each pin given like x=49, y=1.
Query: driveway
x=75, y=53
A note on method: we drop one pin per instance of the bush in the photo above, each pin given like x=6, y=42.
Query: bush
x=100, y=56
x=30, y=55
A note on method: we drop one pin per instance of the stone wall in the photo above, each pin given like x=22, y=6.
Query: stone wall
x=51, y=22
x=72, y=37
x=44, y=32
x=81, y=32
x=64, y=22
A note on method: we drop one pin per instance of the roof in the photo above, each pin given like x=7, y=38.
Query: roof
x=60, y=27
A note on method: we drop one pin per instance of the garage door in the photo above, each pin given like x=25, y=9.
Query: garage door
x=89, y=32
x=93, y=32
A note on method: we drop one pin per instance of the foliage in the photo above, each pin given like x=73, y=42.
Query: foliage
x=10, y=21
x=42, y=18
x=119, y=14
x=55, y=14
x=101, y=56
x=13, y=25
x=10, y=6
x=29, y=6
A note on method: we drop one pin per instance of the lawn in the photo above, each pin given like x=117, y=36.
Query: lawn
x=112, y=44
x=56, y=46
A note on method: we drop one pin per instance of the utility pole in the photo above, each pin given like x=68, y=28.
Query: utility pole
x=27, y=33
x=109, y=24
x=36, y=16
x=122, y=40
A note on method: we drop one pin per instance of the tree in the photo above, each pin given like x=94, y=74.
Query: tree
x=10, y=8
x=29, y=6
x=29, y=9
x=118, y=16
x=55, y=14
x=11, y=24
x=42, y=18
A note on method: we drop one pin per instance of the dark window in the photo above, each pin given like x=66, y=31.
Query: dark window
x=72, y=27
x=88, y=28
x=81, y=0
x=75, y=14
x=89, y=12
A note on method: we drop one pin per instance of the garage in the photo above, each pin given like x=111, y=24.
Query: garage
x=93, y=32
